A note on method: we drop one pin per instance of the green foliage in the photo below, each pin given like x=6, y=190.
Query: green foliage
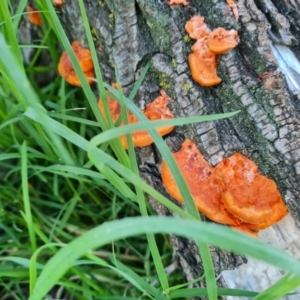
x=73, y=216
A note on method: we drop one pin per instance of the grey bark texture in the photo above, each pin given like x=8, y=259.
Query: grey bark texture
x=128, y=33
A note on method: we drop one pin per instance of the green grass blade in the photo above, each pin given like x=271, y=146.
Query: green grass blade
x=196, y=292
x=18, y=15
x=217, y=235
x=139, y=192
x=139, y=81
x=57, y=127
x=26, y=201
x=138, y=281
x=33, y=265
x=10, y=33
x=286, y=284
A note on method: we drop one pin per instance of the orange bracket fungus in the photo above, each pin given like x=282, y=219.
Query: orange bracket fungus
x=34, y=16
x=157, y=110
x=203, y=59
x=199, y=177
x=232, y=193
x=220, y=40
x=250, y=196
x=66, y=69
x=178, y=2
x=234, y=9
x=58, y=2
x=203, y=64
x=197, y=28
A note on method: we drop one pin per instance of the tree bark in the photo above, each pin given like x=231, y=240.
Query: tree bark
x=128, y=33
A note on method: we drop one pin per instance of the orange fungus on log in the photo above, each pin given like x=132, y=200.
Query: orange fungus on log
x=66, y=69
x=232, y=193
x=197, y=28
x=157, y=110
x=234, y=9
x=199, y=177
x=34, y=16
x=203, y=59
x=58, y=2
x=203, y=64
x=178, y=2
x=221, y=40
x=247, y=194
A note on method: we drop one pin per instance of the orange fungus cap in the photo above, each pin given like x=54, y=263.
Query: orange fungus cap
x=33, y=16
x=178, y=2
x=197, y=28
x=66, y=69
x=234, y=9
x=58, y=2
x=279, y=211
x=247, y=194
x=203, y=68
x=221, y=40
x=157, y=110
x=199, y=177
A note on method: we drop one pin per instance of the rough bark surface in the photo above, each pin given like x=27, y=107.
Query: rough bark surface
x=128, y=33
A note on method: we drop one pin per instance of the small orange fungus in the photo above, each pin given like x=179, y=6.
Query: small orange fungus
x=58, y=2
x=232, y=193
x=157, y=110
x=178, y=2
x=203, y=59
x=250, y=196
x=234, y=9
x=221, y=40
x=33, y=16
x=199, y=177
x=66, y=69
x=197, y=28
x=203, y=64
x=279, y=212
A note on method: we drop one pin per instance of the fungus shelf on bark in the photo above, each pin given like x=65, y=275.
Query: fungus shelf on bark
x=173, y=3
x=203, y=59
x=199, y=177
x=156, y=110
x=58, y=2
x=66, y=69
x=33, y=16
x=234, y=9
x=221, y=40
x=203, y=64
x=232, y=193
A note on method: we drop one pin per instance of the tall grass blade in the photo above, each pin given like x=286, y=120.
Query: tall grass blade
x=213, y=234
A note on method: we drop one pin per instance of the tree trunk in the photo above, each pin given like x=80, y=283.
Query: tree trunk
x=128, y=33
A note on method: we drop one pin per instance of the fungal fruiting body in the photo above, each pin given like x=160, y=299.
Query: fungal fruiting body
x=234, y=9
x=178, y=2
x=34, y=16
x=250, y=196
x=197, y=28
x=203, y=64
x=220, y=40
x=203, y=59
x=58, y=3
x=66, y=69
x=157, y=110
x=199, y=177
x=232, y=193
